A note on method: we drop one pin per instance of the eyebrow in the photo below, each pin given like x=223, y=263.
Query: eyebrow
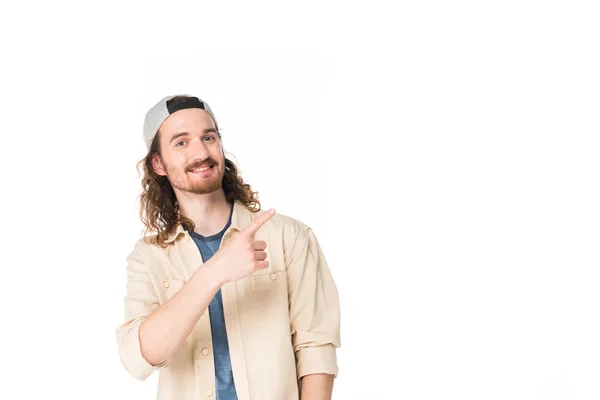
x=177, y=135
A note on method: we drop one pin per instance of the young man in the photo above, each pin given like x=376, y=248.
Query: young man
x=225, y=300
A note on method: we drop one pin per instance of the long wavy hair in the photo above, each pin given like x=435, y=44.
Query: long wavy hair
x=159, y=209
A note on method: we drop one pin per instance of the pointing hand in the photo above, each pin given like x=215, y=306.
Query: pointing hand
x=242, y=255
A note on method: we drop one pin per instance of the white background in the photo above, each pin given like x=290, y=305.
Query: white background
x=446, y=154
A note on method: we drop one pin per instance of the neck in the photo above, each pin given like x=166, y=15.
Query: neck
x=210, y=211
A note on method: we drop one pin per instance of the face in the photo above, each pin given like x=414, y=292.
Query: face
x=189, y=142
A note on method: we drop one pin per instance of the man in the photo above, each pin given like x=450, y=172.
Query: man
x=225, y=300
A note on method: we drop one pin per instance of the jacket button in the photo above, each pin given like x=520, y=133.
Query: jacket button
x=209, y=392
x=205, y=352
x=273, y=277
x=165, y=284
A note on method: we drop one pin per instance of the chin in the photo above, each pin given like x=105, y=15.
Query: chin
x=206, y=187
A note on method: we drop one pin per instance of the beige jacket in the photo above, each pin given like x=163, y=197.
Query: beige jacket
x=282, y=322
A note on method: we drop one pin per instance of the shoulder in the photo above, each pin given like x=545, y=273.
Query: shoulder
x=145, y=247
x=284, y=223
x=284, y=230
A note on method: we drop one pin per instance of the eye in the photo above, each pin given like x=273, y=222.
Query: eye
x=177, y=144
x=212, y=137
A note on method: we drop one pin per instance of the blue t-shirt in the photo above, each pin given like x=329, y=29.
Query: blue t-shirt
x=208, y=245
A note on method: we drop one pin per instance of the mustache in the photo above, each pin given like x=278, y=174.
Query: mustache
x=200, y=164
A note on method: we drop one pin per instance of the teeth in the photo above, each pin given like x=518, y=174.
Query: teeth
x=201, y=169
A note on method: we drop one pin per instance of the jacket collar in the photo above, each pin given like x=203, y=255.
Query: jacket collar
x=240, y=218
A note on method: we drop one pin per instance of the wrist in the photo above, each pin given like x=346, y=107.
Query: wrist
x=212, y=275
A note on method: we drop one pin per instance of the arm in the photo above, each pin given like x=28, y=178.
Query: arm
x=316, y=387
x=152, y=333
x=164, y=331
x=314, y=316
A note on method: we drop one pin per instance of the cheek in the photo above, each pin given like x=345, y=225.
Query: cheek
x=179, y=162
x=173, y=166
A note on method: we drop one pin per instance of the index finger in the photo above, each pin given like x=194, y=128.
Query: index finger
x=259, y=221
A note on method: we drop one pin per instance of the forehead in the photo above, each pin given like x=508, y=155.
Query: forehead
x=191, y=120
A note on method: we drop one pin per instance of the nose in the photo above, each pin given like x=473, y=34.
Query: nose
x=198, y=149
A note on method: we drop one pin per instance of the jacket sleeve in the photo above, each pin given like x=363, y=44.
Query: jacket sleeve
x=314, y=307
x=140, y=300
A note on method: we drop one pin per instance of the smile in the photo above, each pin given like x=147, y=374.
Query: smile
x=202, y=169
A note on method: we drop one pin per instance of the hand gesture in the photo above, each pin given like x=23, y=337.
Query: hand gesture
x=242, y=255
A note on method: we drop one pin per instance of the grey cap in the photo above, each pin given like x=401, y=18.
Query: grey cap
x=161, y=111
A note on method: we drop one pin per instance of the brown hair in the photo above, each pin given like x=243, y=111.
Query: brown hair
x=159, y=209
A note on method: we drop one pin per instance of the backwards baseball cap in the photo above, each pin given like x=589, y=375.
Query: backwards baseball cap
x=161, y=111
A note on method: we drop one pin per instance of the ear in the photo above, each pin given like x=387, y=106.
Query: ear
x=157, y=165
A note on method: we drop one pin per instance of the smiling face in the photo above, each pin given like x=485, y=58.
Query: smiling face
x=188, y=143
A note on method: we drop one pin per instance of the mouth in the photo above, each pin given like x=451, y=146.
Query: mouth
x=205, y=170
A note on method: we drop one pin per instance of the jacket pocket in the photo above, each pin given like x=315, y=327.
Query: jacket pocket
x=171, y=286
x=267, y=303
x=268, y=281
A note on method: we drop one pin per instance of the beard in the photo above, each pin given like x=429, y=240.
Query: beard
x=185, y=181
